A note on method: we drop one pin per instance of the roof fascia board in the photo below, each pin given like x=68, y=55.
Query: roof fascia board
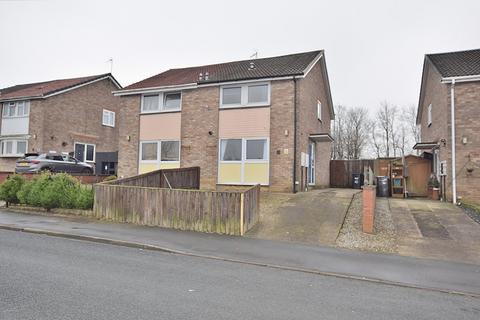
x=81, y=85
x=312, y=64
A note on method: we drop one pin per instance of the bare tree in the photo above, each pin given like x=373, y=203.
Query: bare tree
x=376, y=143
x=411, y=119
x=351, y=131
x=386, y=117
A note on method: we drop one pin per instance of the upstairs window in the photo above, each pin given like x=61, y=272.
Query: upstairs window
x=108, y=118
x=248, y=95
x=162, y=102
x=16, y=109
x=319, y=110
x=429, y=115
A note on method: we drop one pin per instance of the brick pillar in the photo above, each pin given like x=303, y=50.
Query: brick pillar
x=368, y=216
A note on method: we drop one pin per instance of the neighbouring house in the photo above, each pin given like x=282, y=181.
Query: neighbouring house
x=69, y=115
x=261, y=121
x=450, y=94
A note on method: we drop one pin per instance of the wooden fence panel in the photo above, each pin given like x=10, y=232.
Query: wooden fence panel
x=198, y=210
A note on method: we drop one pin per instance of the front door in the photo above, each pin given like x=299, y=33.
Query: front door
x=311, y=163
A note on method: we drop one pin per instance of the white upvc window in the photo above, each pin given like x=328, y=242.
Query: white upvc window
x=16, y=109
x=160, y=151
x=429, y=115
x=84, y=152
x=13, y=148
x=319, y=110
x=245, y=95
x=108, y=118
x=161, y=102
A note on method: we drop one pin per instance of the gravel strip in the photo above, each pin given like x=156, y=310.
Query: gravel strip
x=472, y=213
x=384, y=237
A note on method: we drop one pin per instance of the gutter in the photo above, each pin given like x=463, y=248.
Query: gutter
x=452, y=120
x=461, y=79
x=294, y=135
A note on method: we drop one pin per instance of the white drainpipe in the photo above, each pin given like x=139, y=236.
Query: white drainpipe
x=452, y=120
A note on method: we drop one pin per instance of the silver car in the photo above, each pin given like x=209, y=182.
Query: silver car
x=52, y=162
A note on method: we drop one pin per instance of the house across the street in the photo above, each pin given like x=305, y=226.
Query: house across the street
x=448, y=115
x=69, y=115
x=261, y=121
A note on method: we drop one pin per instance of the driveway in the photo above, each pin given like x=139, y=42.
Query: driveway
x=313, y=217
x=434, y=229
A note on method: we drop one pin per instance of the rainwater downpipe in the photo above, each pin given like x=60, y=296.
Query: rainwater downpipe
x=452, y=120
x=294, y=135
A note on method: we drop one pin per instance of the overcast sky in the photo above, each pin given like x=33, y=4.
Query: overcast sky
x=374, y=49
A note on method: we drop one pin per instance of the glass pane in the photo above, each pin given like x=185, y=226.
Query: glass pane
x=172, y=101
x=11, y=110
x=232, y=95
x=26, y=108
x=231, y=150
x=105, y=118
x=21, y=147
x=80, y=152
x=150, y=103
x=90, y=152
x=9, y=148
x=20, y=109
x=149, y=151
x=257, y=149
x=257, y=94
x=5, y=109
x=170, y=151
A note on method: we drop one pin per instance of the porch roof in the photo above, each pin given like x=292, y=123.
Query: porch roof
x=321, y=137
x=425, y=145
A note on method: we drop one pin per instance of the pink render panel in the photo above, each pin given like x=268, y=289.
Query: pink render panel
x=244, y=122
x=161, y=126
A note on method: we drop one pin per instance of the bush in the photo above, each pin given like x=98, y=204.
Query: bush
x=110, y=178
x=10, y=188
x=56, y=191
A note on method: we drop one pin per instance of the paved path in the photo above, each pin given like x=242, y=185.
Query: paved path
x=53, y=278
x=313, y=217
x=434, y=229
x=408, y=271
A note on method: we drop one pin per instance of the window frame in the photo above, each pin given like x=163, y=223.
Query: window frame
x=14, y=153
x=161, y=102
x=243, y=160
x=429, y=115
x=111, y=116
x=159, y=160
x=319, y=110
x=244, y=95
x=85, y=152
x=16, y=106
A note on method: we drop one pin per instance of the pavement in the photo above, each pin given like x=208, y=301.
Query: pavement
x=313, y=217
x=442, y=276
x=45, y=277
x=434, y=229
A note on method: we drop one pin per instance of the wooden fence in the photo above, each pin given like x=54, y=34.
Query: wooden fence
x=341, y=171
x=226, y=212
x=181, y=178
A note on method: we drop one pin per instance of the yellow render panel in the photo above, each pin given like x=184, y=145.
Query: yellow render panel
x=147, y=167
x=256, y=173
x=229, y=173
x=170, y=165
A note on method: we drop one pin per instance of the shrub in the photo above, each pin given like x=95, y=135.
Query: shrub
x=56, y=191
x=110, y=178
x=10, y=188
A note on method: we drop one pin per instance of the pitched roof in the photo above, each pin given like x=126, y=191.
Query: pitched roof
x=273, y=67
x=42, y=89
x=456, y=64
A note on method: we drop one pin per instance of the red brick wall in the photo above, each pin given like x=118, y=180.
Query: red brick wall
x=128, y=136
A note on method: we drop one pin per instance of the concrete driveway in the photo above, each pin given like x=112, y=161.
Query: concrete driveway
x=313, y=217
x=434, y=229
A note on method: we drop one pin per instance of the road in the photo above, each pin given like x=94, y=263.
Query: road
x=43, y=277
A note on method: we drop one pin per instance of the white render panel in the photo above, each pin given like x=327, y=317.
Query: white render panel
x=11, y=126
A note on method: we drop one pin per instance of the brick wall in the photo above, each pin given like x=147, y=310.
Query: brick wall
x=199, y=133
x=310, y=89
x=56, y=123
x=128, y=135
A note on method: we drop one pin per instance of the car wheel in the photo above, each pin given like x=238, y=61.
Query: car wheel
x=86, y=171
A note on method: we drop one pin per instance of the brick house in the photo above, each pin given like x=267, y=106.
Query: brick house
x=69, y=115
x=451, y=82
x=261, y=121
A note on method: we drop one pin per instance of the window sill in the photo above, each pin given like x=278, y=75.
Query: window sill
x=244, y=106
x=160, y=112
x=107, y=125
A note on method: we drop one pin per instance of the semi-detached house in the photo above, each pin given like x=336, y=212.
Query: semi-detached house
x=264, y=121
x=74, y=115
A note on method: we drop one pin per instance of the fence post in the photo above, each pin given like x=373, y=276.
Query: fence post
x=242, y=208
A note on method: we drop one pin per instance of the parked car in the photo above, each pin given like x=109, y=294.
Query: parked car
x=53, y=162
